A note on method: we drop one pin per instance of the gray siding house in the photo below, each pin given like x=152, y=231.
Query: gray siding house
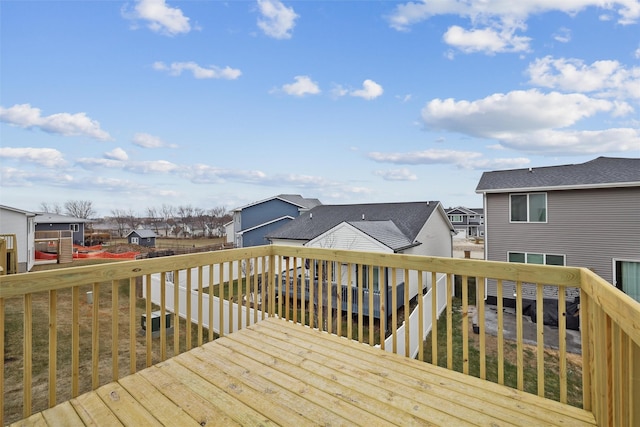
x=585, y=215
x=142, y=237
x=467, y=221
x=46, y=221
x=251, y=223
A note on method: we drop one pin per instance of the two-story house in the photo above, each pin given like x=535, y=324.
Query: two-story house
x=585, y=215
x=46, y=221
x=251, y=223
x=467, y=222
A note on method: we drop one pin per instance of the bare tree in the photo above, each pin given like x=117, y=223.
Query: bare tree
x=186, y=218
x=201, y=220
x=166, y=213
x=51, y=207
x=120, y=217
x=79, y=208
x=218, y=217
x=153, y=219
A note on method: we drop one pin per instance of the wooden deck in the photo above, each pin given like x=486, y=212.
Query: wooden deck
x=279, y=373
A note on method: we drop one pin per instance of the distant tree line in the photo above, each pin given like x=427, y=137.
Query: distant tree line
x=166, y=220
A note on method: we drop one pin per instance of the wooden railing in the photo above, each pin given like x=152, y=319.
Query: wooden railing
x=67, y=331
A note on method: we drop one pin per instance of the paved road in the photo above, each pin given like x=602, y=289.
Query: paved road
x=529, y=330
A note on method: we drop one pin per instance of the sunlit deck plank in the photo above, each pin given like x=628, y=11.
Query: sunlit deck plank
x=277, y=372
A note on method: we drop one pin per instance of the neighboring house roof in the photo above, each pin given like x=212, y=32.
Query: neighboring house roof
x=385, y=232
x=9, y=208
x=264, y=224
x=294, y=199
x=143, y=233
x=408, y=218
x=603, y=172
x=52, y=218
x=462, y=209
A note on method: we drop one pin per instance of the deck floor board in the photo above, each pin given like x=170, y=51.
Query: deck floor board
x=279, y=373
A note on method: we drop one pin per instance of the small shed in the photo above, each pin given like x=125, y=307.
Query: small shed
x=142, y=237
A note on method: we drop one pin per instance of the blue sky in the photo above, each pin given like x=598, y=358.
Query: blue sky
x=211, y=104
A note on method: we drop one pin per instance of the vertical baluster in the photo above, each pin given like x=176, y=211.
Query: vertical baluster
x=383, y=308
x=562, y=344
x=147, y=308
x=500, y=337
x=176, y=315
x=210, y=336
x=27, y=352
x=420, y=316
x=407, y=313
x=349, y=301
x=481, y=326
x=320, y=295
x=221, y=299
x=371, y=307
x=519, y=335
x=230, y=305
x=360, y=302
x=434, y=318
x=303, y=291
x=449, y=321
x=394, y=310
x=465, y=324
x=540, y=336
x=586, y=325
x=132, y=325
x=188, y=317
x=280, y=285
x=287, y=282
x=114, y=330
x=95, y=337
x=75, y=341
x=239, y=290
x=312, y=286
x=295, y=289
x=200, y=313
x=339, y=298
x=330, y=279
x=53, y=346
x=163, y=303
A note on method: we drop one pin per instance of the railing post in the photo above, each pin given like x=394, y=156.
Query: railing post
x=272, y=284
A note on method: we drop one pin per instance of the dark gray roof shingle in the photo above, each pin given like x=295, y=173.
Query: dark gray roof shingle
x=600, y=172
x=408, y=217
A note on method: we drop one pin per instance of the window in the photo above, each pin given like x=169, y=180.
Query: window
x=365, y=277
x=533, y=258
x=627, y=274
x=74, y=227
x=134, y=240
x=455, y=218
x=528, y=207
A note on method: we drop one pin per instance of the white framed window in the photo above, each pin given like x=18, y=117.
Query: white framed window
x=135, y=240
x=74, y=227
x=455, y=218
x=627, y=277
x=536, y=258
x=528, y=207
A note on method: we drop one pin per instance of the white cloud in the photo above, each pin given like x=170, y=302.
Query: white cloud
x=117, y=154
x=146, y=140
x=604, y=78
x=370, y=90
x=160, y=17
x=532, y=121
x=78, y=124
x=487, y=40
x=516, y=111
x=460, y=159
x=403, y=174
x=407, y=14
x=303, y=86
x=157, y=166
x=277, y=20
x=211, y=72
x=48, y=157
x=563, y=35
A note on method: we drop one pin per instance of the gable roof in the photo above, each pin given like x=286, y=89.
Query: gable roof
x=52, y=218
x=144, y=233
x=603, y=172
x=408, y=218
x=20, y=211
x=294, y=199
x=385, y=232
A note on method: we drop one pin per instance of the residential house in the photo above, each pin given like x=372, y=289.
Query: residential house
x=46, y=221
x=21, y=223
x=417, y=228
x=468, y=223
x=142, y=237
x=585, y=215
x=251, y=223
